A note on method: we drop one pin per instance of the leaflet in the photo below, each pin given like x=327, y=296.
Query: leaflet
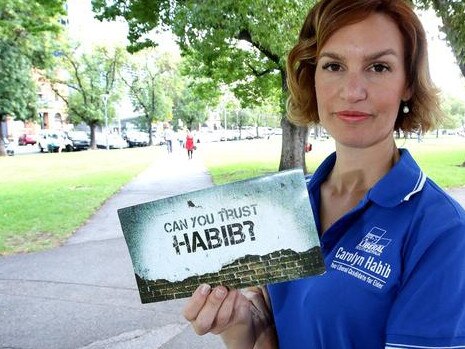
x=247, y=233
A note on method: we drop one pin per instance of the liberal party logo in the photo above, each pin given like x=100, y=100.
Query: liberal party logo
x=374, y=242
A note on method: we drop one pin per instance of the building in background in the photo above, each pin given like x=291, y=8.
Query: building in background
x=52, y=109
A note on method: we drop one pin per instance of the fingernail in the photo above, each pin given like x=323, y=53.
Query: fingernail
x=205, y=289
x=220, y=292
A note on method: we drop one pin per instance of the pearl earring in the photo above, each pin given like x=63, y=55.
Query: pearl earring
x=405, y=109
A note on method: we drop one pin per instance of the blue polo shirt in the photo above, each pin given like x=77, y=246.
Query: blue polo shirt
x=395, y=271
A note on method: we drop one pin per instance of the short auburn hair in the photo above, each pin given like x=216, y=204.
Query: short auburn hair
x=327, y=17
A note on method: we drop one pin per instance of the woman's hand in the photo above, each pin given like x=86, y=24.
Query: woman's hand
x=242, y=318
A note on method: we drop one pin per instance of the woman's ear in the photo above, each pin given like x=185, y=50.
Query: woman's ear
x=408, y=93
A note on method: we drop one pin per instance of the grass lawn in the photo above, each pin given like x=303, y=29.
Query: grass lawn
x=439, y=158
x=44, y=198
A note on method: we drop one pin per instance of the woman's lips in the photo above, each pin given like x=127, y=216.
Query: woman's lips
x=351, y=115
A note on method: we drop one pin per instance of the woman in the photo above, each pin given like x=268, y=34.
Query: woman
x=189, y=144
x=392, y=240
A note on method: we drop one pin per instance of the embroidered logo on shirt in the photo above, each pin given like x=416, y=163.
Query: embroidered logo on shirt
x=364, y=262
x=373, y=242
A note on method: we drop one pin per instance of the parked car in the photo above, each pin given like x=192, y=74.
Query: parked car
x=137, y=139
x=26, y=139
x=277, y=131
x=79, y=139
x=157, y=139
x=54, y=141
x=9, y=147
x=115, y=141
x=229, y=135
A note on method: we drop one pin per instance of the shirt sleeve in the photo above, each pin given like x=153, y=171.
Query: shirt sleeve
x=429, y=310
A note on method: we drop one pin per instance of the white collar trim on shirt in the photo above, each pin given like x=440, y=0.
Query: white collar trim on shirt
x=418, y=186
x=407, y=346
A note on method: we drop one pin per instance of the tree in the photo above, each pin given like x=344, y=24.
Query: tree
x=32, y=26
x=196, y=95
x=149, y=79
x=240, y=43
x=28, y=31
x=265, y=115
x=454, y=108
x=189, y=108
x=91, y=76
x=17, y=88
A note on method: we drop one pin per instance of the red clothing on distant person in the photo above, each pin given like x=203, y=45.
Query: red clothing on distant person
x=190, y=142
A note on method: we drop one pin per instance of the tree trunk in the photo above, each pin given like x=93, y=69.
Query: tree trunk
x=2, y=147
x=293, y=146
x=93, y=144
x=293, y=138
x=2, y=143
x=149, y=124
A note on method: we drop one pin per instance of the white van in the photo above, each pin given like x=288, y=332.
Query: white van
x=54, y=141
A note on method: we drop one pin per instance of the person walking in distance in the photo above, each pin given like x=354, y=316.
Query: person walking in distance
x=169, y=135
x=190, y=144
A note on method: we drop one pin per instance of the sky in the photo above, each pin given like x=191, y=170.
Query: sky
x=89, y=31
x=444, y=70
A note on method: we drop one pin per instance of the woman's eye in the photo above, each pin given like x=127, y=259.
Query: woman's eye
x=332, y=67
x=379, y=68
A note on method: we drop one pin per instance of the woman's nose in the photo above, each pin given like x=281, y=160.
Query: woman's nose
x=354, y=88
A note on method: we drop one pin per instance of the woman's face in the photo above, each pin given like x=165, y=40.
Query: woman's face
x=360, y=82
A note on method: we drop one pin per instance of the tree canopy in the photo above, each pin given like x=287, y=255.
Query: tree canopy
x=151, y=78
x=17, y=88
x=189, y=108
x=454, y=108
x=28, y=32
x=32, y=27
